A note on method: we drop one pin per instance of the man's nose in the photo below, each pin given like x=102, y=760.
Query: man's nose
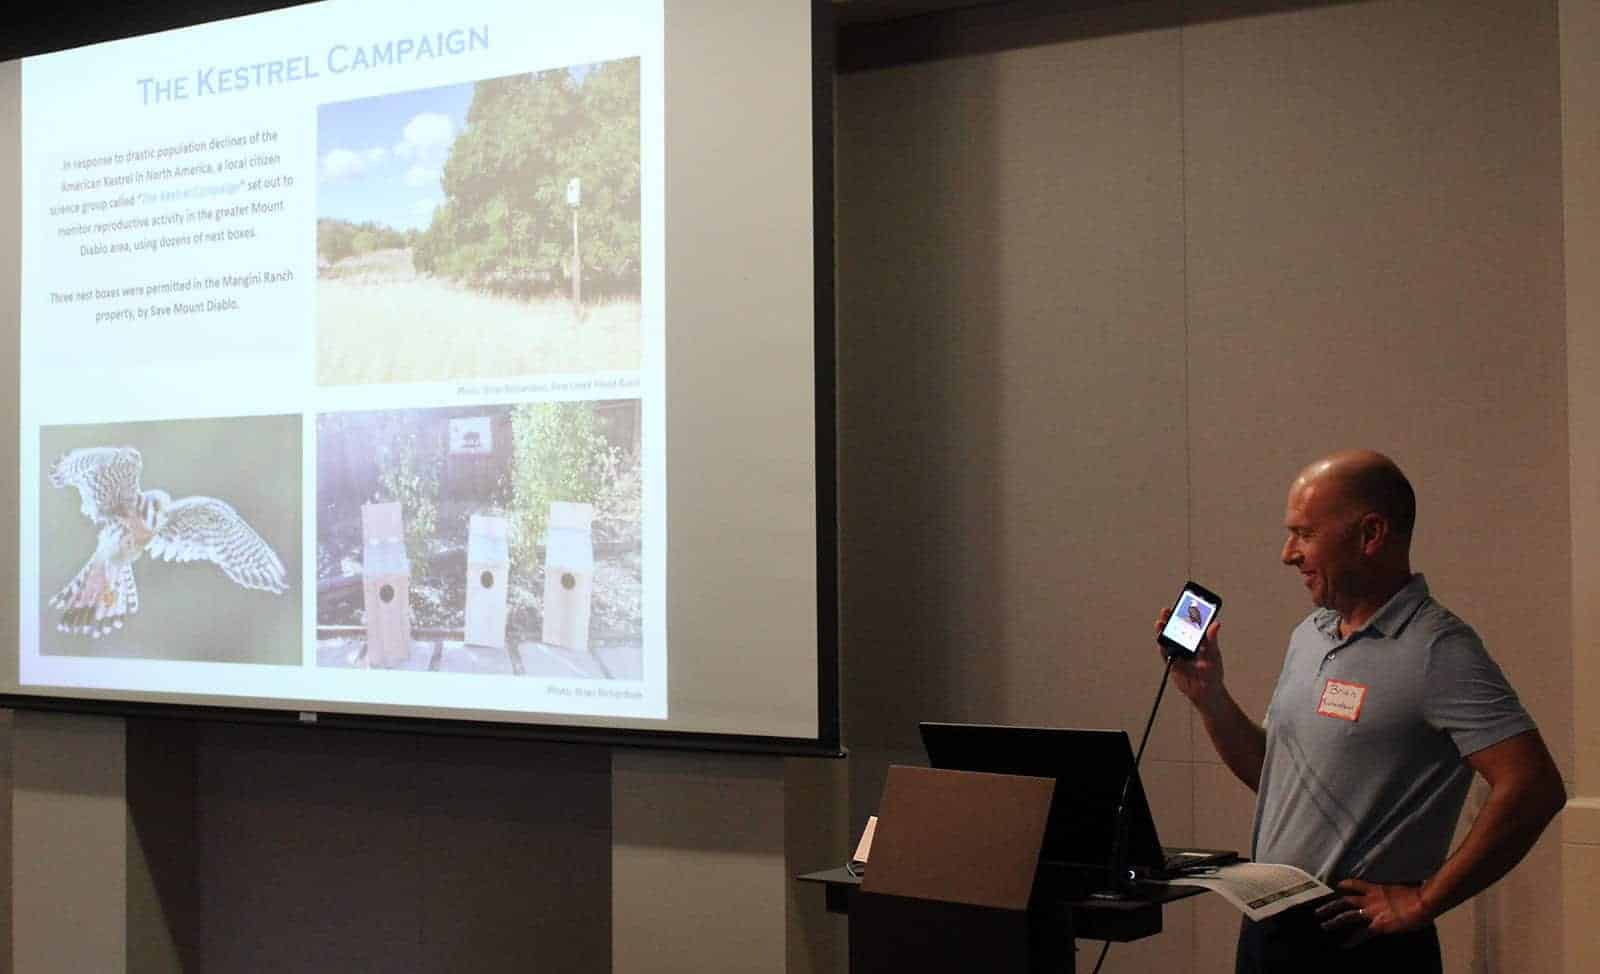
x=1291, y=554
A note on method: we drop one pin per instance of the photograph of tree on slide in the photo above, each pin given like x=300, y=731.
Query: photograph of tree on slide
x=448, y=220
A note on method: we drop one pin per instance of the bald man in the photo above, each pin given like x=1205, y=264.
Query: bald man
x=1386, y=707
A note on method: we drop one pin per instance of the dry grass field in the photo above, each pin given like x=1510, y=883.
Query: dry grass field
x=378, y=322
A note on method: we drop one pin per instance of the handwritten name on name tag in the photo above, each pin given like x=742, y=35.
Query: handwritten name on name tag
x=1342, y=700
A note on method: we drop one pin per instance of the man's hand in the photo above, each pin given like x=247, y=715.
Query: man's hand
x=1199, y=677
x=1366, y=910
x=1240, y=741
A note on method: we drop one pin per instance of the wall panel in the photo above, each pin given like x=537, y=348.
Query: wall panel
x=1106, y=287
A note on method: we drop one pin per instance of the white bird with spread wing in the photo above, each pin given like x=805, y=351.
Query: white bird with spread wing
x=134, y=522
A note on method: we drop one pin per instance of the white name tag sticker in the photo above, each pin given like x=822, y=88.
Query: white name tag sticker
x=1342, y=700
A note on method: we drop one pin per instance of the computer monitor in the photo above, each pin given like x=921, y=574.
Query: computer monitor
x=1090, y=768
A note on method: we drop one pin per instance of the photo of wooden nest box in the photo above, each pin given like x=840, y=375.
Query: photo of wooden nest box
x=491, y=540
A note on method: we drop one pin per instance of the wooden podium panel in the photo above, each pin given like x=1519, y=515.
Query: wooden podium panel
x=959, y=837
x=951, y=879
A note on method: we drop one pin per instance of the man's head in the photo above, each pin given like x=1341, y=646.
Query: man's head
x=1349, y=517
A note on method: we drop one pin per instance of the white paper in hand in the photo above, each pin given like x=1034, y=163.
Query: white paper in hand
x=1259, y=889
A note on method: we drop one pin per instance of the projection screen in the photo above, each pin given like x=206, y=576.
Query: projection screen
x=466, y=364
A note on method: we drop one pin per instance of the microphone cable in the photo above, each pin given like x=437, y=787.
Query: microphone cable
x=1119, y=840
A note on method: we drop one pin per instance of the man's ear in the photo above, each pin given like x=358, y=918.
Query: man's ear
x=1373, y=529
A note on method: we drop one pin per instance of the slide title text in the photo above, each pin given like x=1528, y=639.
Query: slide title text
x=340, y=58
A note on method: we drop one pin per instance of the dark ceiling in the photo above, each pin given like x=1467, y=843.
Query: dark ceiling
x=29, y=27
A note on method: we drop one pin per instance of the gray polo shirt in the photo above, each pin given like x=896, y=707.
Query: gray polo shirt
x=1364, y=774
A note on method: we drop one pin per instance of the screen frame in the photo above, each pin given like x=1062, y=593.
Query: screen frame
x=60, y=33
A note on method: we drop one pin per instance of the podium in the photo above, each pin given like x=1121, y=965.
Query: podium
x=955, y=882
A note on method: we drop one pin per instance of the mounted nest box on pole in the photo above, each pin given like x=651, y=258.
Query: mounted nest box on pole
x=386, y=585
x=568, y=575
x=488, y=563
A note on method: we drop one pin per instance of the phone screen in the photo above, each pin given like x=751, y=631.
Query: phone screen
x=1190, y=617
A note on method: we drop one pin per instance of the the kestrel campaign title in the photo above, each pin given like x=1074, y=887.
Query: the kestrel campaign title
x=339, y=59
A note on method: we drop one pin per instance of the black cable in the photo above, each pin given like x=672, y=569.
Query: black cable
x=1152, y=721
x=1119, y=839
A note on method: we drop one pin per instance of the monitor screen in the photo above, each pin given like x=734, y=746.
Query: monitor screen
x=1090, y=768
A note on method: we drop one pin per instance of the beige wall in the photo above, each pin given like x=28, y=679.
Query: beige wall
x=1107, y=280
x=1580, y=85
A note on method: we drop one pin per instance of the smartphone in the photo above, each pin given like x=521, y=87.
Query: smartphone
x=1194, y=611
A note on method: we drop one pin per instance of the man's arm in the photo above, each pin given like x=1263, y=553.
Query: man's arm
x=1240, y=741
x=1525, y=793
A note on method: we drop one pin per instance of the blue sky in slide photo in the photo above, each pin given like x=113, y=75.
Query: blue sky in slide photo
x=379, y=158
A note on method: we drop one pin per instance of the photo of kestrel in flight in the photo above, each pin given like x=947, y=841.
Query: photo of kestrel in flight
x=134, y=522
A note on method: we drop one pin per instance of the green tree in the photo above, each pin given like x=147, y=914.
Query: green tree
x=338, y=239
x=505, y=224
x=410, y=474
x=333, y=240
x=605, y=156
x=558, y=454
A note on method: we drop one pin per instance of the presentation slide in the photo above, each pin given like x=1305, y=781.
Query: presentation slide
x=343, y=377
